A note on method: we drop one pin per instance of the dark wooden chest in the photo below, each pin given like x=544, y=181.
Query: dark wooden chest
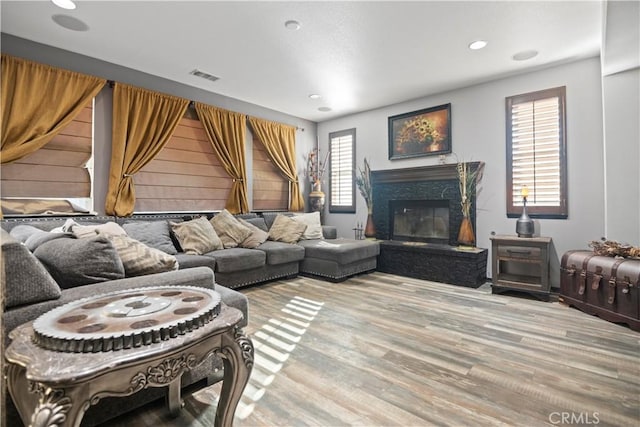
x=604, y=286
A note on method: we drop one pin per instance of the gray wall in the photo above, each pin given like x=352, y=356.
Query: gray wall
x=622, y=156
x=478, y=134
x=305, y=140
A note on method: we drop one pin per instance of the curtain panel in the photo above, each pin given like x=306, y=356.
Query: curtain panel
x=226, y=131
x=143, y=122
x=38, y=101
x=280, y=142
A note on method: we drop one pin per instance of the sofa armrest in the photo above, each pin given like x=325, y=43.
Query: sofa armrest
x=329, y=232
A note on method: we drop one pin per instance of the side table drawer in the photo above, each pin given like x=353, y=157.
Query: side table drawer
x=519, y=252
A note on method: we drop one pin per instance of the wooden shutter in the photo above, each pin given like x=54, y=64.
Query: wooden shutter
x=270, y=188
x=57, y=170
x=537, y=152
x=342, y=167
x=185, y=176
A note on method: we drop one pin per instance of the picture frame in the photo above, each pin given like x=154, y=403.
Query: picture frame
x=425, y=132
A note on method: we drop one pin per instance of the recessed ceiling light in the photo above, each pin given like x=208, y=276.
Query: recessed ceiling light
x=292, y=25
x=324, y=109
x=314, y=96
x=478, y=44
x=524, y=55
x=70, y=23
x=65, y=4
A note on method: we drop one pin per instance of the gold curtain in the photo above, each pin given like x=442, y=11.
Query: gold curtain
x=226, y=131
x=143, y=122
x=38, y=101
x=280, y=142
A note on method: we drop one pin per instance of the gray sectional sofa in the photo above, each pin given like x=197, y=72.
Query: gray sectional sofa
x=33, y=286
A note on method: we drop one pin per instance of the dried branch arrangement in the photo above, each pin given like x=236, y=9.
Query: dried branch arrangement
x=614, y=249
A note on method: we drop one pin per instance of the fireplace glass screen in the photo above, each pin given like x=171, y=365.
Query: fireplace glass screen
x=420, y=220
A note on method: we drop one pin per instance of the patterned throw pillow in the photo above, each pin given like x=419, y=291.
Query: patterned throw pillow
x=196, y=236
x=285, y=229
x=314, y=227
x=256, y=238
x=83, y=231
x=139, y=259
x=231, y=231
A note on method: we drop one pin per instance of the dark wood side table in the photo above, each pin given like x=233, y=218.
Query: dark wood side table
x=521, y=264
x=56, y=387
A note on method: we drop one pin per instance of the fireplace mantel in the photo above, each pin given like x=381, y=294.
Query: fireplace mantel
x=422, y=173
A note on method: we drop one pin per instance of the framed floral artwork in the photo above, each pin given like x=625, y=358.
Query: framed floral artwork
x=420, y=133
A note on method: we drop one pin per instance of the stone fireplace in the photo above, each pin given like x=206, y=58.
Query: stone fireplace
x=433, y=184
x=417, y=215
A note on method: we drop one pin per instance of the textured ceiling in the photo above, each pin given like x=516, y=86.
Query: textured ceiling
x=356, y=55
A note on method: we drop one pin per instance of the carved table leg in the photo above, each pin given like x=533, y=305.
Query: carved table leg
x=237, y=356
x=174, y=401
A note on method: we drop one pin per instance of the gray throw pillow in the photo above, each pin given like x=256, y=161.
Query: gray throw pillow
x=156, y=234
x=22, y=232
x=75, y=262
x=26, y=279
x=41, y=236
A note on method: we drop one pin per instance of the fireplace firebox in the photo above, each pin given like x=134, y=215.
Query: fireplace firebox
x=419, y=220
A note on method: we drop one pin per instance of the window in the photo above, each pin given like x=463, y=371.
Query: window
x=57, y=177
x=270, y=188
x=341, y=168
x=186, y=175
x=536, y=153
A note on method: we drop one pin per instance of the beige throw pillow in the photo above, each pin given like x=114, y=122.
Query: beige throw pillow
x=139, y=259
x=231, y=231
x=196, y=236
x=285, y=229
x=312, y=221
x=256, y=238
x=83, y=231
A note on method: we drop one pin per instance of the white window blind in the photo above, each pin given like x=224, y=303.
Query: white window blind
x=537, y=160
x=342, y=187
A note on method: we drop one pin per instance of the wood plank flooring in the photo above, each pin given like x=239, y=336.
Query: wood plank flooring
x=385, y=350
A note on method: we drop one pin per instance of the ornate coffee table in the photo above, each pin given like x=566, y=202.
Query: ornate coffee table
x=119, y=343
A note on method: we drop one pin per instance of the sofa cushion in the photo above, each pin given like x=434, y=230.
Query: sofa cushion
x=156, y=234
x=256, y=238
x=139, y=259
x=26, y=279
x=75, y=262
x=281, y=253
x=238, y=259
x=231, y=231
x=196, y=236
x=341, y=251
x=312, y=221
x=284, y=229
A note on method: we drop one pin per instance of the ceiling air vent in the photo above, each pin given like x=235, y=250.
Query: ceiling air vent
x=204, y=75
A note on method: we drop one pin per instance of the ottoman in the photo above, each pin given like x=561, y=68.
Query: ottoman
x=338, y=259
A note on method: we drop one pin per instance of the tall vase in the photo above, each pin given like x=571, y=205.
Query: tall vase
x=466, y=236
x=316, y=199
x=370, y=228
